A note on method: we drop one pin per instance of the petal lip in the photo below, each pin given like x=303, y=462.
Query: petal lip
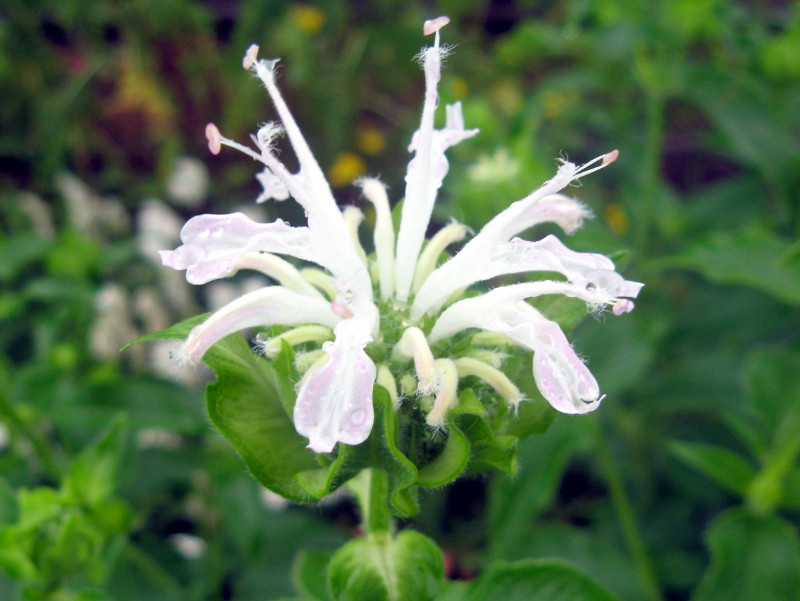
x=334, y=403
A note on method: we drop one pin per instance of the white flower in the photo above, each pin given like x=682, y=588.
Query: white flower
x=334, y=397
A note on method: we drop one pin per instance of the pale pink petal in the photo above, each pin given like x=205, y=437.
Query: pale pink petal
x=335, y=402
x=562, y=378
x=212, y=244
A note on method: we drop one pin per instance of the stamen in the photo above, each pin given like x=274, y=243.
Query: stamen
x=605, y=161
x=214, y=138
x=250, y=56
x=434, y=25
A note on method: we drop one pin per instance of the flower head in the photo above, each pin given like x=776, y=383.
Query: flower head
x=345, y=289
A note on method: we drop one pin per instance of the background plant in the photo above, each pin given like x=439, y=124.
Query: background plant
x=685, y=484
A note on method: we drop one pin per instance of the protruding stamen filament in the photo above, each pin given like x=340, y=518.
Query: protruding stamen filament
x=295, y=336
x=352, y=219
x=386, y=379
x=413, y=345
x=375, y=192
x=428, y=258
x=467, y=366
x=278, y=269
x=604, y=159
x=446, y=399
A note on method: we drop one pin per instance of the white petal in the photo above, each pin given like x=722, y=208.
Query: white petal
x=375, y=192
x=423, y=178
x=482, y=311
x=265, y=307
x=519, y=256
x=335, y=402
x=539, y=207
x=560, y=375
x=212, y=244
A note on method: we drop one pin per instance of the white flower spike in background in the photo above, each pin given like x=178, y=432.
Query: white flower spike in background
x=334, y=396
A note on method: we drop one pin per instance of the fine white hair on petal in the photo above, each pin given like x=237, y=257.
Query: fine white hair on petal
x=334, y=403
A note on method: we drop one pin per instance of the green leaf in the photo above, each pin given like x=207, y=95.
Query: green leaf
x=725, y=467
x=514, y=503
x=408, y=567
x=752, y=557
x=751, y=257
x=309, y=574
x=471, y=445
x=20, y=250
x=533, y=416
x=244, y=404
x=92, y=476
x=8, y=503
x=178, y=331
x=772, y=384
x=535, y=580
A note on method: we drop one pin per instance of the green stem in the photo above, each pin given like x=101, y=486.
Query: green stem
x=627, y=519
x=50, y=461
x=378, y=517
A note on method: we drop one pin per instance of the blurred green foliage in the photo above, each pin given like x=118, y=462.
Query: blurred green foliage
x=686, y=483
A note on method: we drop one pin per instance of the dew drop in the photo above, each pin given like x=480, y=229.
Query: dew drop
x=357, y=417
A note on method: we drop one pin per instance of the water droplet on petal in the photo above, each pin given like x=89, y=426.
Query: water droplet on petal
x=357, y=417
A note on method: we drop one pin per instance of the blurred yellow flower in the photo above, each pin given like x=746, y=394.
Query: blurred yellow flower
x=370, y=140
x=459, y=88
x=554, y=102
x=309, y=19
x=616, y=219
x=346, y=167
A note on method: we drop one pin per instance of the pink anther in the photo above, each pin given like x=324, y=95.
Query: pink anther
x=250, y=56
x=433, y=25
x=214, y=138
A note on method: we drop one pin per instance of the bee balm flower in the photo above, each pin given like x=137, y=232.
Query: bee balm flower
x=336, y=304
